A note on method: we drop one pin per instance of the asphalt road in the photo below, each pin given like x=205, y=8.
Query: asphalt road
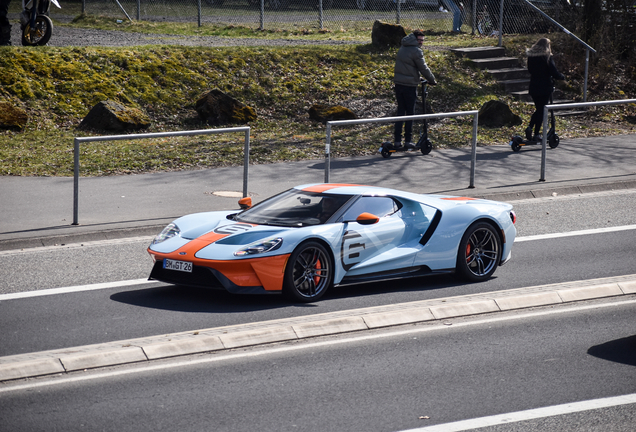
x=56, y=321
x=388, y=381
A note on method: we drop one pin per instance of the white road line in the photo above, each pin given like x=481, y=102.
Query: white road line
x=576, y=233
x=514, y=417
x=66, y=290
x=119, y=284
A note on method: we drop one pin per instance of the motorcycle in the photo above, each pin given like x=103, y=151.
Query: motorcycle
x=35, y=23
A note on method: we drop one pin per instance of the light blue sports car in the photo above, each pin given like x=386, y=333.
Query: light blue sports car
x=312, y=237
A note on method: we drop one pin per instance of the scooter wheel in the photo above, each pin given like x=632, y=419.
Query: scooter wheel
x=385, y=154
x=553, y=141
x=514, y=144
x=426, y=147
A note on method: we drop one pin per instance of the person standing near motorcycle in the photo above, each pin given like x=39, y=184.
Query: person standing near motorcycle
x=409, y=65
x=5, y=25
x=456, y=9
x=543, y=72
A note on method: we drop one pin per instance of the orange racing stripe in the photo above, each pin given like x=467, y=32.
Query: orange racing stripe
x=326, y=186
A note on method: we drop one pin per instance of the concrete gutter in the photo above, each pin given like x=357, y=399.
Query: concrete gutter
x=297, y=328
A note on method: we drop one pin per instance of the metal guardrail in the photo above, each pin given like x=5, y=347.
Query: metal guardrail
x=567, y=106
x=474, y=113
x=79, y=140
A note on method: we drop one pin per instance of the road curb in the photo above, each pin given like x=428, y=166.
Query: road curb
x=244, y=335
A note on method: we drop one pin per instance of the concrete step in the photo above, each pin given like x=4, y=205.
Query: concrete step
x=496, y=63
x=480, y=52
x=509, y=73
x=515, y=85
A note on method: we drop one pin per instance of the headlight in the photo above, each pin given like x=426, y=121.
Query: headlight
x=169, y=231
x=260, y=247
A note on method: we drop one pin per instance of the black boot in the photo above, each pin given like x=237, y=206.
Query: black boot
x=529, y=133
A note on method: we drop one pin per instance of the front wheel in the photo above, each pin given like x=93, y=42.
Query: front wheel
x=38, y=34
x=426, y=146
x=309, y=272
x=479, y=252
x=553, y=140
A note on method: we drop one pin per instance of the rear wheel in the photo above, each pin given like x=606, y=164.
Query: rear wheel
x=309, y=272
x=553, y=140
x=426, y=146
x=479, y=252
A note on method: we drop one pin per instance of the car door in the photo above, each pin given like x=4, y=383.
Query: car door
x=364, y=247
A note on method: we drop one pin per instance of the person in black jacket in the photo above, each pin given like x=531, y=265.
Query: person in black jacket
x=543, y=72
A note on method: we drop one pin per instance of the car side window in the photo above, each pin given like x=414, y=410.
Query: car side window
x=379, y=206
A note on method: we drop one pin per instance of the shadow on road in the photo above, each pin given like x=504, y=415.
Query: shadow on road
x=619, y=351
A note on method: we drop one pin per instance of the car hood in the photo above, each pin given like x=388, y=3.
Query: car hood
x=215, y=227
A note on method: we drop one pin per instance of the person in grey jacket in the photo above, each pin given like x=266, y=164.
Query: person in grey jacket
x=409, y=65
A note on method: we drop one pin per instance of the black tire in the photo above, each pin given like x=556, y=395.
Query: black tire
x=385, y=153
x=40, y=34
x=514, y=144
x=309, y=272
x=479, y=252
x=553, y=140
x=426, y=146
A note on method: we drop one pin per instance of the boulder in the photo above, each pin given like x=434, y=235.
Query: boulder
x=109, y=115
x=217, y=108
x=325, y=113
x=12, y=117
x=385, y=35
x=495, y=114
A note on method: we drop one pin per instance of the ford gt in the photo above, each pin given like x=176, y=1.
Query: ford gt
x=312, y=237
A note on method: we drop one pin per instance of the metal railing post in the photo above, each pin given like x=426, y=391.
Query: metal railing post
x=587, y=66
x=568, y=106
x=544, y=142
x=76, y=161
x=332, y=123
x=246, y=162
x=473, y=159
x=78, y=140
x=327, y=155
x=501, y=18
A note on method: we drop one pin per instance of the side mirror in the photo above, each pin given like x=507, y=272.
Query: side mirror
x=367, y=219
x=245, y=203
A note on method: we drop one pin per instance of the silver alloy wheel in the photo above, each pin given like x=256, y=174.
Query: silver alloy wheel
x=479, y=252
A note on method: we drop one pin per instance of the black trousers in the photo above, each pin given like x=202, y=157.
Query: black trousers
x=406, y=97
x=540, y=101
x=5, y=26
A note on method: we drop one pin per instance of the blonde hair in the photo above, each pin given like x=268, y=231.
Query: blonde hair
x=540, y=48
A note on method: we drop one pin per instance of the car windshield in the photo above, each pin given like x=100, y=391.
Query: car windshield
x=294, y=208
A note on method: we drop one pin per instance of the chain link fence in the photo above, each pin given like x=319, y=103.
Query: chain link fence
x=476, y=16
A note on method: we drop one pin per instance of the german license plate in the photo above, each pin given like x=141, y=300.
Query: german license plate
x=183, y=266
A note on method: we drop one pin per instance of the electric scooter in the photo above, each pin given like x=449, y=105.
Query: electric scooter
x=423, y=144
x=516, y=142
